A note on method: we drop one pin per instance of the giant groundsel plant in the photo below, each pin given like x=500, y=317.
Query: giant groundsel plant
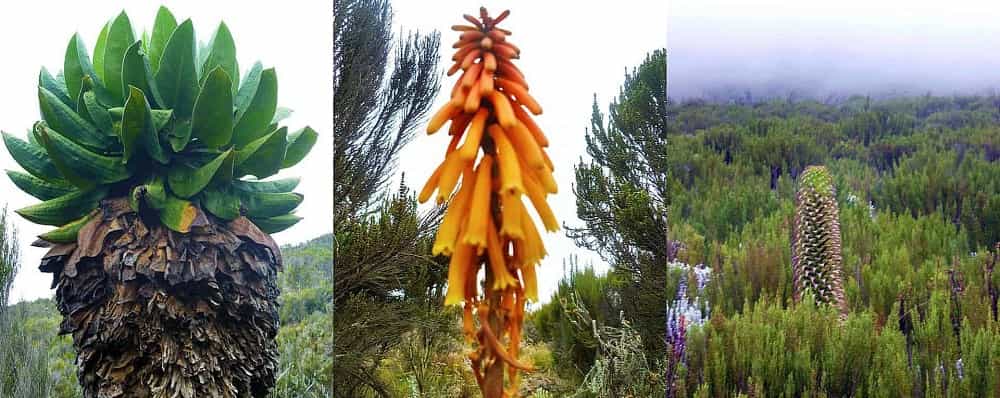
x=816, y=247
x=150, y=161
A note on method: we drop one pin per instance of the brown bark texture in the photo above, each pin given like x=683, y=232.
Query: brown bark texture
x=157, y=313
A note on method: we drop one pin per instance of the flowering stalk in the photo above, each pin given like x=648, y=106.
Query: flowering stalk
x=487, y=225
x=816, y=249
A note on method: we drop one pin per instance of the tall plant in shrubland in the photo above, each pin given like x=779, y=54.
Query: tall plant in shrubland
x=386, y=283
x=165, y=272
x=487, y=225
x=23, y=370
x=816, y=257
x=621, y=196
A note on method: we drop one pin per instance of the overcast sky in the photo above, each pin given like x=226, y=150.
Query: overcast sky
x=294, y=37
x=822, y=47
x=569, y=52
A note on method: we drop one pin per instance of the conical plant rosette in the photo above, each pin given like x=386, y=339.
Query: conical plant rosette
x=495, y=160
x=816, y=244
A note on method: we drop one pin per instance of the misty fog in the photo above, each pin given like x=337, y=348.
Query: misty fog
x=717, y=49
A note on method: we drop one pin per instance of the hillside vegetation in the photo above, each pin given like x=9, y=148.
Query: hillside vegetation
x=917, y=184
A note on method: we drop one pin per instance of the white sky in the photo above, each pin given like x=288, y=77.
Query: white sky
x=294, y=37
x=569, y=52
x=856, y=46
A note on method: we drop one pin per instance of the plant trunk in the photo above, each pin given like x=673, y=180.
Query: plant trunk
x=157, y=313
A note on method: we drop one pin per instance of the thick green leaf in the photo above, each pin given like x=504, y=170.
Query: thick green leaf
x=63, y=119
x=280, y=114
x=186, y=181
x=64, y=209
x=225, y=174
x=275, y=186
x=76, y=65
x=133, y=124
x=266, y=204
x=120, y=38
x=138, y=128
x=81, y=105
x=161, y=117
x=222, y=53
x=102, y=41
x=46, y=81
x=34, y=140
x=69, y=232
x=136, y=72
x=163, y=27
x=243, y=154
x=33, y=159
x=81, y=166
x=277, y=224
x=98, y=114
x=37, y=187
x=175, y=213
x=156, y=193
x=253, y=122
x=178, y=214
x=212, y=122
x=299, y=145
x=266, y=160
x=221, y=202
x=176, y=76
x=248, y=89
x=180, y=135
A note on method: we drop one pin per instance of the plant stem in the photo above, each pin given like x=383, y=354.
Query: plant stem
x=493, y=384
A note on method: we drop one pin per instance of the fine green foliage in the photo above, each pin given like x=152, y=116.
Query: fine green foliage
x=34, y=361
x=621, y=195
x=816, y=259
x=917, y=186
x=157, y=115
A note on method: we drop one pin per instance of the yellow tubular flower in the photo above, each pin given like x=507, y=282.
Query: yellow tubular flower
x=473, y=98
x=510, y=171
x=537, y=197
x=490, y=62
x=470, y=148
x=548, y=162
x=486, y=84
x=536, y=132
x=526, y=146
x=431, y=184
x=510, y=216
x=512, y=88
x=486, y=224
x=504, y=112
x=479, y=209
x=530, y=282
x=548, y=181
x=502, y=278
x=453, y=165
x=458, y=272
x=454, y=217
x=535, y=248
x=447, y=112
x=471, y=76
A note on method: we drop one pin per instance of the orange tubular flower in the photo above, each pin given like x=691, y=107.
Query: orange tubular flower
x=486, y=224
